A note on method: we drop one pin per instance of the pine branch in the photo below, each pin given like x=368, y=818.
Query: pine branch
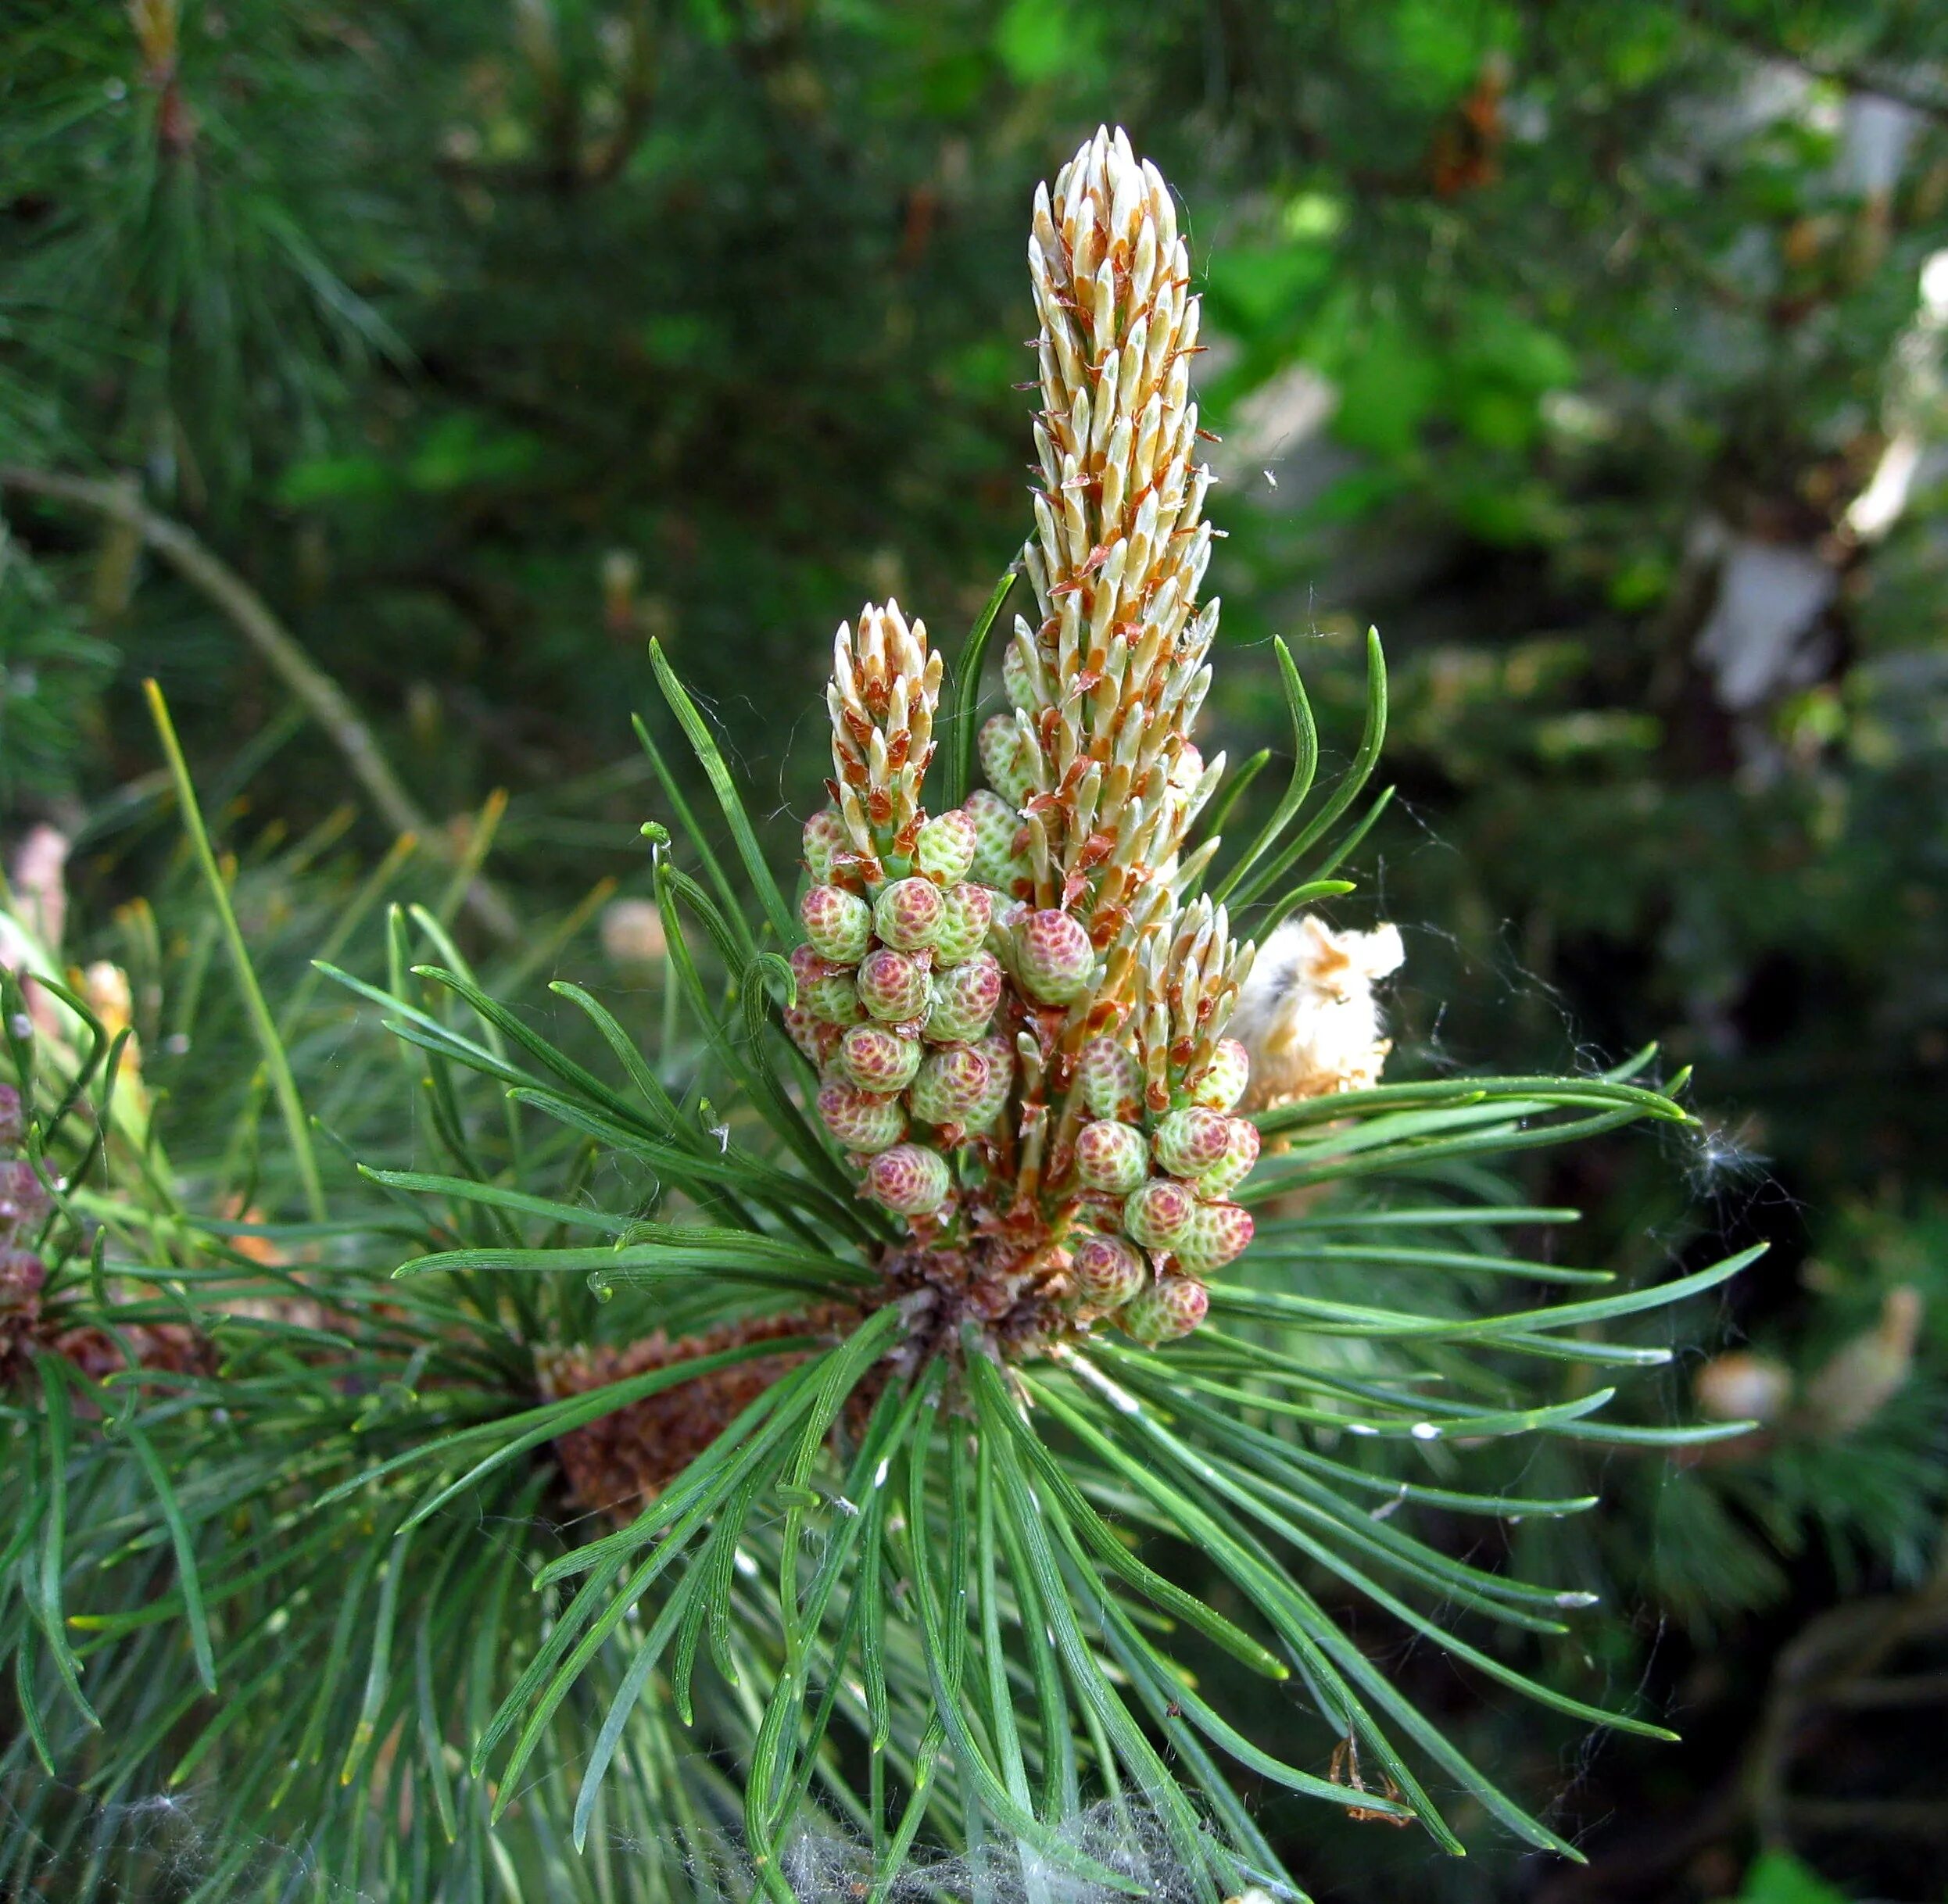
x=841, y=1382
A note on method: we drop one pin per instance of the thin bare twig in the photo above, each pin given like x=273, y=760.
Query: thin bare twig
x=253, y=618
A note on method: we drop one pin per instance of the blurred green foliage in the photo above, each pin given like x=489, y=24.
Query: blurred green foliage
x=52, y=674
x=1778, y=1877
x=1584, y=347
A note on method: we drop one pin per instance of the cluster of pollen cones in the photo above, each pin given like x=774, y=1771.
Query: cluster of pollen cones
x=1018, y=1007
